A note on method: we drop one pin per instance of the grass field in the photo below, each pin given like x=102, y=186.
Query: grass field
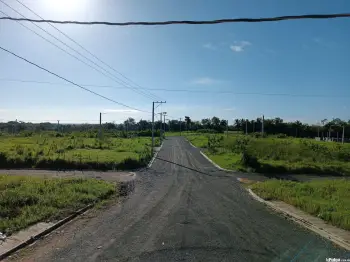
x=74, y=152
x=326, y=199
x=275, y=155
x=27, y=200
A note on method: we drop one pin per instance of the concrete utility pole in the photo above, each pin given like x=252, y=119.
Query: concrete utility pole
x=343, y=136
x=164, y=114
x=161, y=126
x=58, y=125
x=156, y=102
x=246, y=126
x=180, y=126
x=100, y=131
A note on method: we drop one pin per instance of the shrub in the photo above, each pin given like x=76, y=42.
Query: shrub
x=249, y=160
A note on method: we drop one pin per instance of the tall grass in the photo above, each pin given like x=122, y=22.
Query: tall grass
x=326, y=199
x=28, y=200
x=276, y=155
x=74, y=152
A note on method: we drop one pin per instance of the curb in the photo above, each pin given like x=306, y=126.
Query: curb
x=211, y=161
x=321, y=232
x=216, y=165
x=154, y=157
x=32, y=239
x=125, y=188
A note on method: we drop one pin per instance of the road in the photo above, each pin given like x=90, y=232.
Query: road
x=186, y=211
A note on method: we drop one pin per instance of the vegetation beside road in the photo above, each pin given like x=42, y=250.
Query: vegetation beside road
x=274, y=154
x=78, y=150
x=326, y=199
x=27, y=200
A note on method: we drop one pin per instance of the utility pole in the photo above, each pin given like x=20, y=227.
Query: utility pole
x=100, y=131
x=246, y=126
x=180, y=126
x=342, y=139
x=253, y=126
x=58, y=125
x=156, y=102
x=164, y=122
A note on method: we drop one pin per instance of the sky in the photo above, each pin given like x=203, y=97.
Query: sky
x=229, y=70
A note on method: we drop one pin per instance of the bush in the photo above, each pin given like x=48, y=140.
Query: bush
x=281, y=136
x=207, y=131
x=248, y=160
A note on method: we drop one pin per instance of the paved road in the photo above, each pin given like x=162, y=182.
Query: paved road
x=178, y=214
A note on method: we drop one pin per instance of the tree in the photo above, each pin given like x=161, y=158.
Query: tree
x=215, y=121
x=206, y=123
x=188, y=122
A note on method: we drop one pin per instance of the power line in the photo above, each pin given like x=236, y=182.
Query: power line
x=86, y=50
x=71, y=82
x=188, y=22
x=108, y=75
x=189, y=91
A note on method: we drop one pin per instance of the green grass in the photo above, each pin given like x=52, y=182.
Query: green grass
x=27, y=200
x=74, y=152
x=326, y=199
x=275, y=155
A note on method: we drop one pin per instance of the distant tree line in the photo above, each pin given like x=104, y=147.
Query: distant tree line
x=326, y=128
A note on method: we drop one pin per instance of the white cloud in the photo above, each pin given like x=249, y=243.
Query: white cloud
x=209, y=46
x=239, y=46
x=207, y=81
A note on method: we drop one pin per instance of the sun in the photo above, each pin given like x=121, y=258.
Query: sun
x=65, y=6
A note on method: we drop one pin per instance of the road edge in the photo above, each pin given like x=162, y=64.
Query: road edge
x=306, y=224
x=45, y=232
x=154, y=156
x=125, y=188
x=211, y=161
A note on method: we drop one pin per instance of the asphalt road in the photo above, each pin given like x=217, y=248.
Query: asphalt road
x=179, y=214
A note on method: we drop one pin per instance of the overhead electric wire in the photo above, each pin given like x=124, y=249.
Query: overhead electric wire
x=188, y=90
x=86, y=50
x=110, y=75
x=188, y=22
x=71, y=82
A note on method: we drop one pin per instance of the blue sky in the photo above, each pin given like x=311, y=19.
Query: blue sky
x=294, y=57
